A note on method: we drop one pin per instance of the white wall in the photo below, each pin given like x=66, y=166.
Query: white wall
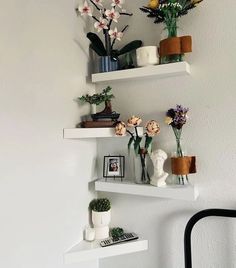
x=44, y=179
x=210, y=134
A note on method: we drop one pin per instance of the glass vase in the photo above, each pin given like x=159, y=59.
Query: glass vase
x=171, y=31
x=140, y=168
x=179, y=156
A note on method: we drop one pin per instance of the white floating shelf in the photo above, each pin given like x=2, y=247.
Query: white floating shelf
x=85, y=133
x=87, y=251
x=181, y=192
x=158, y=71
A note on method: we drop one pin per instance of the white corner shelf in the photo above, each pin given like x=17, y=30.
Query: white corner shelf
x=158, y=71
x=86, y=133
x=179, y=192
x=87, y=251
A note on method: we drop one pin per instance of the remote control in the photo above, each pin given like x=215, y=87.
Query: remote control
x=124, y=238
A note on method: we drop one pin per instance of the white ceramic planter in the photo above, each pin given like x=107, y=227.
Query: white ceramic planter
x=147, y=55
x=93, y=108
x=101, y=222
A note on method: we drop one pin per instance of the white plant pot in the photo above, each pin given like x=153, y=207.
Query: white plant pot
x=93, y=108
x=101, y=222
x=147, y=55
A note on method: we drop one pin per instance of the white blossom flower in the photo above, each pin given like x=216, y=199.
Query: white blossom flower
x=114, y=34
x=85, y=9
x=98, y=2
x=101, y=24
x=118, y=3
x=112, y=14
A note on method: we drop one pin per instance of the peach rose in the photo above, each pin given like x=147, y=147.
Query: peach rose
x=120, y=129
x=134, y=121
x=152, y=128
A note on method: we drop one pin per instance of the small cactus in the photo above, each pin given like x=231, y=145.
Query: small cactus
x=100, y=205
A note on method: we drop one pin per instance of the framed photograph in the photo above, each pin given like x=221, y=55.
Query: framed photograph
x=114, y=167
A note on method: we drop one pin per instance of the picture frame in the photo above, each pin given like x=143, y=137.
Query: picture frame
x=114, y=166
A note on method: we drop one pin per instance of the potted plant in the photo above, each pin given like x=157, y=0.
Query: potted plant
x=141, y=150
x=172, y=47
x=96, y=99
x=101, y=217
x=104, y=19
x=181, y=164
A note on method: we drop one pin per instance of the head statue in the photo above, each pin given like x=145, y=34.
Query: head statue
x=158, y=154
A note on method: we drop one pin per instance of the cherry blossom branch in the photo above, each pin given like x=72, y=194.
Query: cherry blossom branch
x=95, y=18
x=124, y=29
x=126, y=14
x=113, y=42
x=95, y=6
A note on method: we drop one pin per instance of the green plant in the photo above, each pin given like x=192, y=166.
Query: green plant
x=167, y=11
x=116, y=232
x=99, y=48
x=100, y=205
x=97, y=99
x=104, y=18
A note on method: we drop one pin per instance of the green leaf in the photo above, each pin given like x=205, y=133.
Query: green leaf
x=130, y=142
x=148, y=144
x=96, y=44
x=137, y=144
x=131, y=46
x=97, y=50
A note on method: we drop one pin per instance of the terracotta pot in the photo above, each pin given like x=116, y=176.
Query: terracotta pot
x=183, y=165
x=175, y=45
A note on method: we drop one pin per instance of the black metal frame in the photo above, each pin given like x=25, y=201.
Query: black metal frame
x=122, y=167
x=229, y=213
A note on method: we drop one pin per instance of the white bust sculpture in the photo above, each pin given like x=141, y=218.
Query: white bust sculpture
x=158, y=158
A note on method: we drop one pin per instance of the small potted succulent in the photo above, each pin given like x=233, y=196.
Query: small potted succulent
x=101, y=217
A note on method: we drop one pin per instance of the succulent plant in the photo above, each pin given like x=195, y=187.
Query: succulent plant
x=116, y=232
x=100, y=205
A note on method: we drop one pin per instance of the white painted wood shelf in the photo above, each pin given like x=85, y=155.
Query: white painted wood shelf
x=158, y=71
x=179, y=192
x=87, y=251
x=86, y=133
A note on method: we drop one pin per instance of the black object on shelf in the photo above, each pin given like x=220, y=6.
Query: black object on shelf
x=101, y=116
x=228, y=213
x=124, y=238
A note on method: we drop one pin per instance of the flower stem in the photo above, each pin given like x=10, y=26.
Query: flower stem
x=126, y=14
x=107, y=42
x=95, y=5
x=113, y=42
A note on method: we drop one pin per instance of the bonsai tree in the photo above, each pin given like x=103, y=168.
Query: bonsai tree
x=106, y=96
x=100, y=205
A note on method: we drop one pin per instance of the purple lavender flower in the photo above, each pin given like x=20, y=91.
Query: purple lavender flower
x=178, y=115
